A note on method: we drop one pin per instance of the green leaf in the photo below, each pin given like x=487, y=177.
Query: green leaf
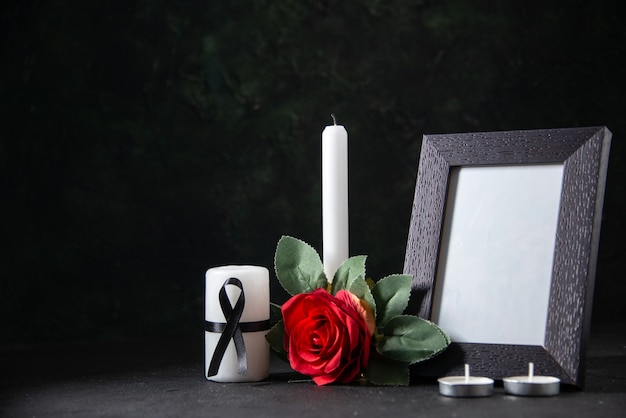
x=392, y=297
x=276, y=339
x=276, y=309
x=298, y=266
x=276, y=312
x=384, y=371
x=444, y=335
x=411, y=339
x=349, y=271
x=361, y=290
x=350, y=276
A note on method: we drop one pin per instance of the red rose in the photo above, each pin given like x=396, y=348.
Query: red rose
x=328, y=337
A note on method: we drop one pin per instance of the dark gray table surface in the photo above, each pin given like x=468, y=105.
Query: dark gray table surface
x=155, y=378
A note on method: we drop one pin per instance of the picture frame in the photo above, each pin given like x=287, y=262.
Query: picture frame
x=581, y=155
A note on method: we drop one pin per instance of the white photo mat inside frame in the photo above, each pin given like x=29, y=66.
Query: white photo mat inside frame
x=495, y=264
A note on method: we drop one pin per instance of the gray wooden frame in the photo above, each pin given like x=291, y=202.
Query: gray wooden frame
x=584, y=153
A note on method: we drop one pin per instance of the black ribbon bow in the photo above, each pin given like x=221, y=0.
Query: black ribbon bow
x=232, y=329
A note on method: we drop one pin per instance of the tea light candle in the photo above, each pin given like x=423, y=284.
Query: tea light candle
x=334, y=197
x=532, y=385
x=237, y=314
x=465, y=386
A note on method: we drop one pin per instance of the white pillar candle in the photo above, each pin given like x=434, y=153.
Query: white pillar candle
x=334, y=198
x=255, y=283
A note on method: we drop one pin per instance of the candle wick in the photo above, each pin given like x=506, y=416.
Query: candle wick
x=531, y=371
x=332, y=115
x=467, y=372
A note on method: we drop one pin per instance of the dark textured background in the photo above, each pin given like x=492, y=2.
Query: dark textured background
x=143, y=142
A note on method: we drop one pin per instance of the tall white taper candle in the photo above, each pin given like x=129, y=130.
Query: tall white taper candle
x=334, y=197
